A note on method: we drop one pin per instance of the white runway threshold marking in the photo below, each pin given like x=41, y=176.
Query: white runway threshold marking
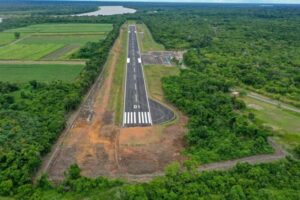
x=137, y=118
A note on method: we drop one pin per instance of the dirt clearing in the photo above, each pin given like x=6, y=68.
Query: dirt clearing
x=102, y=148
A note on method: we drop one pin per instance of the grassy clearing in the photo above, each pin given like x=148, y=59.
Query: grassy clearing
x=286, y=123
x=6, y=38
x=62, y=52
x=41, y=72
x=27, y=51
x=146, y=40
x=117, y=91
x=62, y=39
x=63, y=28
x=44, y=39
x=154, y=74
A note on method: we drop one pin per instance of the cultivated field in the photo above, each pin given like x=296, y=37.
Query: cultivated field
x=41, y=72
x=63, y=28
x=6, y=38
x=39, y=41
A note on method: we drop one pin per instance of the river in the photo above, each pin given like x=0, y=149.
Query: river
x=109, y=10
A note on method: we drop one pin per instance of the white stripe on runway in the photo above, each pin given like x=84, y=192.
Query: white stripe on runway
x=139, y=60
x=131, y=118
x=134, y=117
x=128, y=60
x=146, y=118
x=150, y=119
x=128, y=118
x=139, y=118
x=142, y=117
x=124, y=118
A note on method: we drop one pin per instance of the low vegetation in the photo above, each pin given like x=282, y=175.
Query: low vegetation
x=23, y=73
x=154, y=75
x=40, y=40
x=284, y=122
x=146, y=40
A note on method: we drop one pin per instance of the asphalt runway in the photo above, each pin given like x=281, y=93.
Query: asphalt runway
x=139, y=110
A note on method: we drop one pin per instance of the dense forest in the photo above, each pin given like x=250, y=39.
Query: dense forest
x=273, y=181
x=33, y=115
x=258, y=48
x=218, y=127
x=34, y=8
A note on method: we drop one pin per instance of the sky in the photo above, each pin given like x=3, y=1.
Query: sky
x=218, y=1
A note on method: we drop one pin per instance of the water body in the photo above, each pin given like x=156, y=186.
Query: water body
x=109, y=10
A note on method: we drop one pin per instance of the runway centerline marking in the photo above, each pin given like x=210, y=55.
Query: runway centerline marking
x=136, y=103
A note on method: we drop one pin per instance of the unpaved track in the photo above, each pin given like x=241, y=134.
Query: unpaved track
x=272, y=102
x=264, y=158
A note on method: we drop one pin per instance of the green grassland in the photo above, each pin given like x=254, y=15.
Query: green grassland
x=63, y=28
x=27, y=51
x=6, y=38
x=62, y=39
x=146, y=40
x=21, y=73
x=117, y=90
x=43, y=39
x=286, y=123
x=154, y=74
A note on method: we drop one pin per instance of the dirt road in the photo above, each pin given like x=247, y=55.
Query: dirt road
x=272, y=102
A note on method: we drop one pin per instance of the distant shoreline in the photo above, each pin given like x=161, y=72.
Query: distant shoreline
x=108, y=10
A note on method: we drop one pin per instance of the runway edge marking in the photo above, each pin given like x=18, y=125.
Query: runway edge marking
x=124, y=109
x=146, y=88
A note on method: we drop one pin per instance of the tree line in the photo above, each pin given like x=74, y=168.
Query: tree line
x=255, y=47
x=33, y=115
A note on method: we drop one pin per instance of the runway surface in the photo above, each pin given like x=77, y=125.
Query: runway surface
x=139, y=110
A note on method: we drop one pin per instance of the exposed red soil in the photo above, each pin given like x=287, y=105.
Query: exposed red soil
x=101, y=148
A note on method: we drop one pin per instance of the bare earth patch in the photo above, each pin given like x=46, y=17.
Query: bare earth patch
x=101, y=148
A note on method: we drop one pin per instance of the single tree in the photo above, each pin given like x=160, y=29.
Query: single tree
x=17, y=35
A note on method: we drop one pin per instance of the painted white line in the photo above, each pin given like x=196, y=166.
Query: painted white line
x=125, y=87
x=144, y=79
x=128, y=60
x=142, y=117
x=146, y=118
x=124, y=118
x=128, y=118
x=131, y=117
x=150, y=118
x=134, y=70
x=134, y=117
x=136, y=98
x=135, y=86
x=139, y=60
x=139, y=118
